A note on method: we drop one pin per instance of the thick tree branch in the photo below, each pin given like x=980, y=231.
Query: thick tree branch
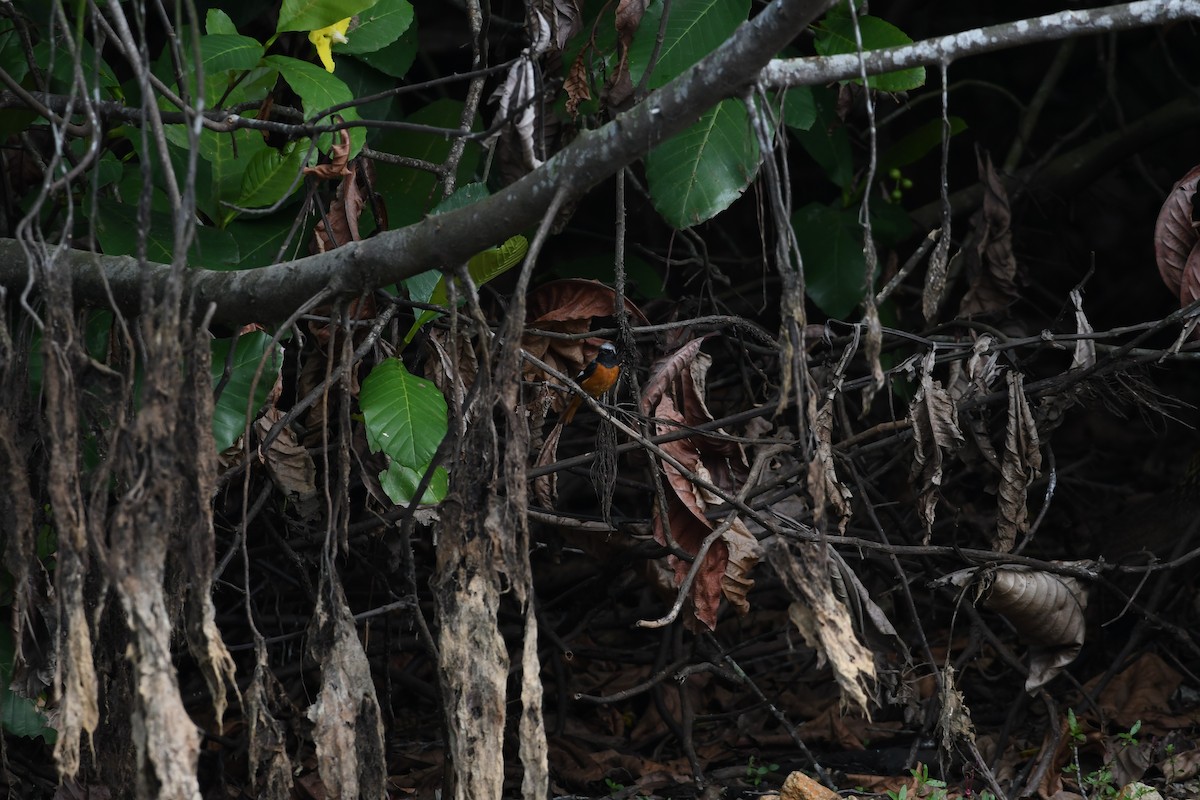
x=928, y=52
x=268, y=294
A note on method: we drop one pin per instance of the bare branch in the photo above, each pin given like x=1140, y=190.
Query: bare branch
x=944, y=49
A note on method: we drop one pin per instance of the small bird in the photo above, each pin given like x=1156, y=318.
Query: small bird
x=596, y=379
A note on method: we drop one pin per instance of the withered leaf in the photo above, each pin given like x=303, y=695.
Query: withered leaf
x=1174, y=232
x=822, y=619
x=992, y=262
x=935, y=431
x=1019, y=467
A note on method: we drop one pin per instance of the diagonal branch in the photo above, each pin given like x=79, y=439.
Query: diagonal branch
x=780, y=73
x=268, y=294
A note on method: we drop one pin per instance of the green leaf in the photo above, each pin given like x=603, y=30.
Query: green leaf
x=96, y=72
x=827, y=141
x=799, y=108
x=482, y=268
x=694, y=29
x=12, y=55
x=835, y=35
x=229, y=412
x=396, y=58
x=319, y=90
x=400, y=484
x=463, y=196
x=830, y=242
x=220, y=52
x=378, y=27
x=310, y=15
x=118, y=229
x=259, y=240
x=411, y=192
x=696, y=175
x=19, y=715
x=405, y=418
x=217, y=21
x=271, y=176
x=917, y=143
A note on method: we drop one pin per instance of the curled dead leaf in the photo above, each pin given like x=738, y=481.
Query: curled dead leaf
x=991, y=263
x=1019, y=467
x=339, y=155
x=822, y=619
x=1175, y=231
x=935, y=433
x=1046, y=609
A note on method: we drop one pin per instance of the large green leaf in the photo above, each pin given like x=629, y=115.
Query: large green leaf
x=378, y=27
x=311, y=15
x=217, y=21
x=411, y=192
x=395, y=58
x=229, y=412
x=271, y=175
x=260, y=239
x=220, y=52
x=694, y=29
x=799, y=108
x=319, y=90
x=118, y=229
x=835, y=35
x=405, y=418
x=830, y=242
x=696, y=175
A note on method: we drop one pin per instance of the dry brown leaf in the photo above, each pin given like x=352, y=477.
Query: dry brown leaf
x=822, y=619
x=665, y=371
x=935, y=432
x=1175, y=234
x=342, y=216
x=1046, y=609
x=564, y=18
x=980, y=371
x=516, y=98
x=1019, y=467
x=575, y=299
x=339, y=155
x=1142, y=691
x=1085, y=349
x=991, y=263
x=954, y=718
x=730, y=559
x=618, y=89
x=577, y=86
x=823, y=484
x=290, y=466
